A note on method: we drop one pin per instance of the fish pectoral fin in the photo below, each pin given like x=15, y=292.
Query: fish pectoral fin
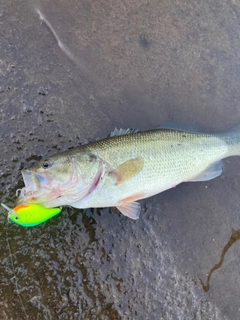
x=131, y=210
x=213, y=171
x=127, y=170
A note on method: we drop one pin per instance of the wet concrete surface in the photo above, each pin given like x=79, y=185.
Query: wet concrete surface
x=70, y=78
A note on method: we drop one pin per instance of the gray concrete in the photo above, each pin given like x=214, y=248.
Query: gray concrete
x=126, y=64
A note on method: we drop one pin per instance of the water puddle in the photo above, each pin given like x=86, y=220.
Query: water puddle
x=235, y=236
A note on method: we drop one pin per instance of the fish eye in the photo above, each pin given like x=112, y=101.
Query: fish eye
x=16, y=218
x=47, y=164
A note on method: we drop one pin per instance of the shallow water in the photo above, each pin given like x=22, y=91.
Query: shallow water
x=70, y=78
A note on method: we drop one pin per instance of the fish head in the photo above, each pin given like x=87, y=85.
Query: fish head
x=61, y=179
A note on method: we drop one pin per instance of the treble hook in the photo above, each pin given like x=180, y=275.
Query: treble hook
x=10, y=211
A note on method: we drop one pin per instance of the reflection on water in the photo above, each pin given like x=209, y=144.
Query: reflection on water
x=235, y=236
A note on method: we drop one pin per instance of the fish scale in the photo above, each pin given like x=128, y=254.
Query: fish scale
x=119, y=170
x=170, y=157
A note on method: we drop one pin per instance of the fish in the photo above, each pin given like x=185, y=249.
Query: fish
x=30, y=215
x=127, y=166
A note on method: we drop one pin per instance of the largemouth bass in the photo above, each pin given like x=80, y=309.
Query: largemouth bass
x=127, y=166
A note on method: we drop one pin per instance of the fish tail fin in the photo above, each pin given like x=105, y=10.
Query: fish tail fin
x=232, y=139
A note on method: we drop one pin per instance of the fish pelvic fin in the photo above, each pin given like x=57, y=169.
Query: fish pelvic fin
x=130, y=209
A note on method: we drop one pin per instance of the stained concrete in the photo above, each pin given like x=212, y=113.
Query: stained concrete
x=70, y=78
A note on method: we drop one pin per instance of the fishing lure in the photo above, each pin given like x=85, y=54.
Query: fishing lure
x=31, y=214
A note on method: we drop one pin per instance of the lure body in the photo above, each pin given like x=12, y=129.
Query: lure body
x=30, y=215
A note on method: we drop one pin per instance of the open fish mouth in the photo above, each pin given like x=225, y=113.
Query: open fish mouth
x=30, y=180
x=33, y=182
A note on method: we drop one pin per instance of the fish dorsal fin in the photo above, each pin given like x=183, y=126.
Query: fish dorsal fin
x=180, y=127
x=127, y=170
x=213, y=171
x=130, y=209
x=120, y=132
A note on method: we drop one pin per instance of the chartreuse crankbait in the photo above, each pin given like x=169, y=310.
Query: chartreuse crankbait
x=31, y=214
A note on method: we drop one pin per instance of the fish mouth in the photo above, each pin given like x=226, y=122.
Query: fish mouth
x=31, y=181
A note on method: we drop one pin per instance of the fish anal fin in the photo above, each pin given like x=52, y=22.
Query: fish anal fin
x=127, y=170
x=130, y=209
x=213, y=171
